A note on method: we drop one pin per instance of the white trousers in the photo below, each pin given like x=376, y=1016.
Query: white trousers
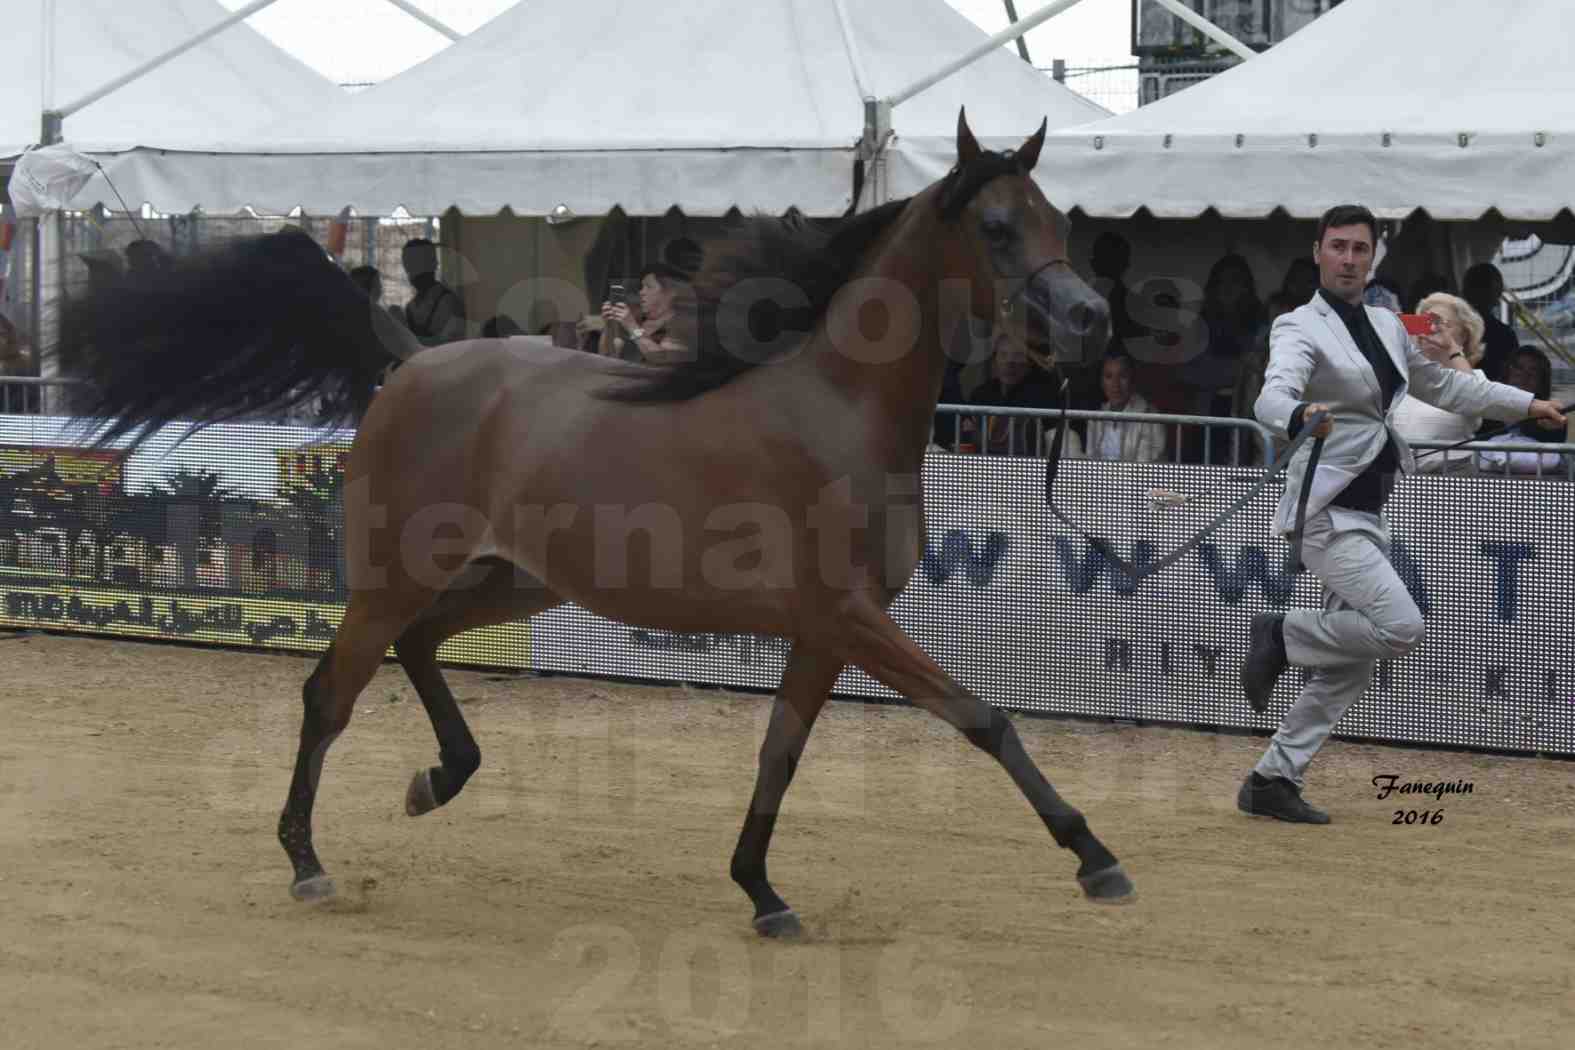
x=1367, y=615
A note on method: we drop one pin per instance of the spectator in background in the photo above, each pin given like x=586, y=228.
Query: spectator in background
x=1015, y=382
x=1530, y=370
x=1457, y=344
x=1231, y=308
x=501, y=327
x=1249, y=380
x=1300, y=282
x=1384, y=293
x=1234, y=319
x=564, y=334
x=1109, y=258
x=1115, y=439
x=969, y=361
x=146, y=260
x=684, y=255
x=650, y=328
x=1483, y=288
x=370, y=280
x=435, y=314
x=1168, y=343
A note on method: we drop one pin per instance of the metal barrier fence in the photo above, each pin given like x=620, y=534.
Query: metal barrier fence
x=30, y=395
x=1028, y=432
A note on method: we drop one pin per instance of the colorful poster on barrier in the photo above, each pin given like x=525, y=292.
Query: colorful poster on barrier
x=102, y=470
x=187, y=557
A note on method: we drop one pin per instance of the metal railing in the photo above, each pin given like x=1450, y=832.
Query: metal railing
x=1549, y=460
x=32, y=396
x=1033, y=438
x=1530, y=459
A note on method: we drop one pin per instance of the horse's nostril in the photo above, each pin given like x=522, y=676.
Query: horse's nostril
x=1083, y=318
x=1089, y=317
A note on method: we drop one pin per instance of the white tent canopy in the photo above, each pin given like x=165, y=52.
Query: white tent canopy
x=233, y=81
x=708, y=104
x=1453, y=108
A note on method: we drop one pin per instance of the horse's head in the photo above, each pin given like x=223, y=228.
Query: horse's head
x=1014, y=240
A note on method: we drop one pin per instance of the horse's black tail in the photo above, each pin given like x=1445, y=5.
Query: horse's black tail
x=259, y=324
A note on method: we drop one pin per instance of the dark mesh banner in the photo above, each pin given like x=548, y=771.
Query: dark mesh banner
x=234, y=535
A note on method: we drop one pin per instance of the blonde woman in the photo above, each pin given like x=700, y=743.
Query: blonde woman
x=1455, y=343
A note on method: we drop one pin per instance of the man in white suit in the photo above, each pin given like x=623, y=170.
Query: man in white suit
x=1348, y=364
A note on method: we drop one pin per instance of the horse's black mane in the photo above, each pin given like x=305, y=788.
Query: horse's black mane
x=813, y=257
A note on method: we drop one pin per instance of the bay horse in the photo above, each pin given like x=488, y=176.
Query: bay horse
x=777, y=481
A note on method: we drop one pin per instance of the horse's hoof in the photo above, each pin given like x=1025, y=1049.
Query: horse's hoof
x=418, y=797
x=783, y=925
x=1110, y=886
x=314, y=890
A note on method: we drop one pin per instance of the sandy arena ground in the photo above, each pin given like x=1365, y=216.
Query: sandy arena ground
x=577, y=893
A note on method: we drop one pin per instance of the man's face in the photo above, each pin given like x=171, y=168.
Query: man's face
x=1344, y=256
x=1521, y=371
x=1116, y=380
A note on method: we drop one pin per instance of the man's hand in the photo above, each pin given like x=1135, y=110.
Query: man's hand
x=1323, y=429
x=1548, y=414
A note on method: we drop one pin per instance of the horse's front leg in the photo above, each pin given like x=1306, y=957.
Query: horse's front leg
x=806, y=682
x=871, y=639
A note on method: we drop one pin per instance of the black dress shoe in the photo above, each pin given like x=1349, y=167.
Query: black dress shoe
x=1266, y=661
x=1278, y=798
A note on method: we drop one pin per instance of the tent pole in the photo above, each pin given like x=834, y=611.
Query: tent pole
x=1022, y=43
x=425, y=19
x=154, y=63
x=46, y=65
x=1207, y=28
x=861, y=79
x=872, y=149
x=1003, y=37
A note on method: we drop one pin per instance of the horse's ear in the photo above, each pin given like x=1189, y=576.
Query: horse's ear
x=967, y=145
x=1028, y=154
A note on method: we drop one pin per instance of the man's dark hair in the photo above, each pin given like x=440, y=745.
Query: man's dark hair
x=1347, y=215
x=420, y=255
x=684, y=254
x=1123, y=357
x=1482, y=285
x=665, y=274
x=1544, y=366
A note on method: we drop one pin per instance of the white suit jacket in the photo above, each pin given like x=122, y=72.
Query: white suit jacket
x=1312, y=358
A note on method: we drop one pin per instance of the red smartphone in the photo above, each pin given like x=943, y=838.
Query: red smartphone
x=1419, y=324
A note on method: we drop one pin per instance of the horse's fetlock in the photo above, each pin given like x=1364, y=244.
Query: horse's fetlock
x=461, y=762
x=746, y=872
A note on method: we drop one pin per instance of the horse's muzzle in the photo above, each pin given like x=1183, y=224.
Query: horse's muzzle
x=1071, y=316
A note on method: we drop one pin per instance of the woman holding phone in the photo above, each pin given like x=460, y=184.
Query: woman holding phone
x=650, y=328
x=1454, y=341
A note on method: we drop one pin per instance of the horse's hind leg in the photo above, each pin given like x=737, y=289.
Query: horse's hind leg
x=806, y=682
x=489, y=593
x=872, y=639
x=372, y=622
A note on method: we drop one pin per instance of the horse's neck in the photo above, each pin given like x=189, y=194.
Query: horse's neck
x=903, y=386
